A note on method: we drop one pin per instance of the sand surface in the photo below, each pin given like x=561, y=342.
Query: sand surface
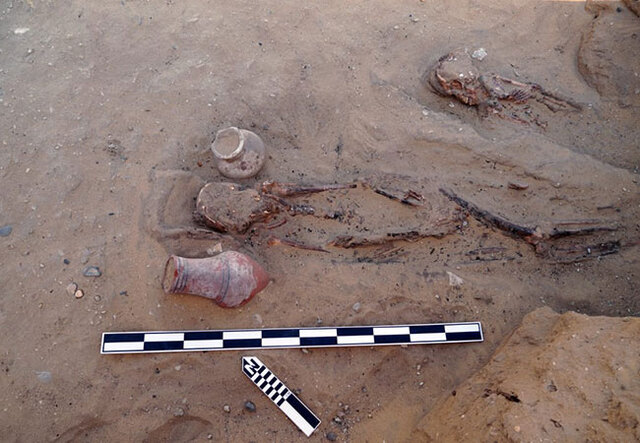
x=557, y=378
x=107, y=113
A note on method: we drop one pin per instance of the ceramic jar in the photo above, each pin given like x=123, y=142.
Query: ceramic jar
x=230, y=279
x=239, y=153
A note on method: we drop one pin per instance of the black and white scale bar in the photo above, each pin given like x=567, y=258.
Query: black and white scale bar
x=272, y=387
x=237, y=339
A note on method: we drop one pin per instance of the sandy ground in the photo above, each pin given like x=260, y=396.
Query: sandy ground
x=563, y=377
x=107, y=114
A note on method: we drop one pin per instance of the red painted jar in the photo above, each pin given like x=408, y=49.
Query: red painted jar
x=230, y=279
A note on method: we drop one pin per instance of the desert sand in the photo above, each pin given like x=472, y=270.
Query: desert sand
x=108, y=111
x=563, y=377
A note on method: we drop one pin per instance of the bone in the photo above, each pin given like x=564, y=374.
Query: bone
x=294, y=190
x=275, y=241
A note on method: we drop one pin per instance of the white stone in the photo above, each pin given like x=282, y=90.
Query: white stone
x=454, y=280
x=479, y=54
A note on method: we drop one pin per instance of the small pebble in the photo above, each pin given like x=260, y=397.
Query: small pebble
x=44, y=376
x=79, y=293
x=215, y=250
x=179, y=412
x=331, y=436
x=20, y=31
x=92, y=271
x=454, y=280
x=97, y=298
x=72, y=288
x=337, y=420
x=479, y=54
x=5, y=230
x=249, y=406
x=226, y=408
x=356, y=306
x=518, y=186
x=66, y=261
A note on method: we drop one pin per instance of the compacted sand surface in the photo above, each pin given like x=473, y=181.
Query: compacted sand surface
x=108, y=111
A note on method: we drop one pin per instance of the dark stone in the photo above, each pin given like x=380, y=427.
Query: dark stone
x=331, y=436
x=66, y=261
x=5, y=230
x=249, y=406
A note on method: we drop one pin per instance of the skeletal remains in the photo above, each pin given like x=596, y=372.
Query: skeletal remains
x=346, y=218
x=240, y=211
x=455, y=74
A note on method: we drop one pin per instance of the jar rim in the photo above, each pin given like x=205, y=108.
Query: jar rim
x=232, y=130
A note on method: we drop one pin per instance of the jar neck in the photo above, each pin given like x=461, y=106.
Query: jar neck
x=237, y=152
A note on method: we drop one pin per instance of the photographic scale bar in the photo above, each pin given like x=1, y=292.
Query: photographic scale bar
x=320, y=337
x=278, y=393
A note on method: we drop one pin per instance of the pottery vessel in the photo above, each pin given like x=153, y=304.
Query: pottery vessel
x=239, y=153
x=230, y=279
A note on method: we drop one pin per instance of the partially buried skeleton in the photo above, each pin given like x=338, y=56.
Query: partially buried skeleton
x=360, y=214
x=379, y=210
x=456, y=75
x=344, y=215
